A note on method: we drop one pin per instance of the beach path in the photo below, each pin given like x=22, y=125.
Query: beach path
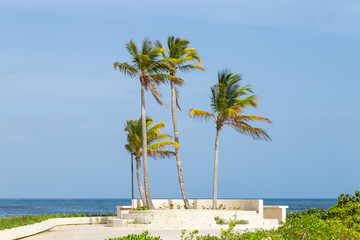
x=100, y=232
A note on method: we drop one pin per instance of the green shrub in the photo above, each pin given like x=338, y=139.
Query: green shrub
x=320, y=213
x=304, y=227
x=341, y=221
x=143, y=208
x=222, y=221
x=312, y=227
x=347, y=210
x=143, y=236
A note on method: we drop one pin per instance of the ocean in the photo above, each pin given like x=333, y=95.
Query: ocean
x=20, y=207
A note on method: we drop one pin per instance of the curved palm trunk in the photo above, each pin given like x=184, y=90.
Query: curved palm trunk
x=141, y=189
x=149, y=203
x=216, y=168
x=177, y=150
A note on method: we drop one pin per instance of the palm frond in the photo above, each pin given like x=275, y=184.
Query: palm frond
x=177, y=99
x=246, y=90
x=163, y=145
x=146, y=46
x=193, y=54
x=189, y=67
x=145, y=63
x=172, y=61
x=255, y=133
x=254, y=118
x=160, y=153
x=126, y=69
x=228, y=101
x=163, y=77
x=156, y=147
x=158, y=44
x=250, y=101
x=156, y=136
x=154, y=133
x=154, y=54
x=200, y=114
x=162, y=66
x=230, y=113
x=157, y=127
x=156, y=93
x=132, y=49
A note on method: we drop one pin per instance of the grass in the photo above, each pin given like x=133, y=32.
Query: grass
x=14, y=221
x=143, y=236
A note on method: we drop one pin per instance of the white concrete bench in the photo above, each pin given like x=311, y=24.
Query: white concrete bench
x=120, y=210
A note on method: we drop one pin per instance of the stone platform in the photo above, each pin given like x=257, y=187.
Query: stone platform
x=170, y=214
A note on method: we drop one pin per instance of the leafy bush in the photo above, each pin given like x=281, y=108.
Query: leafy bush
x=222, y=221
x=341, y=221
x=347, y=210
x=14, y=221
x=143, y=236
x=304, y=227
x=320, y=213
x=143, y=208
x=312, y=227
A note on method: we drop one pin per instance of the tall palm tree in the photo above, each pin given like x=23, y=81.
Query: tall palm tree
x=156, y=147
x=151, y=71
x=228, y=101
x=180, y=57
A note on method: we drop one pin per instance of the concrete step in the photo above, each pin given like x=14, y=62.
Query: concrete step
x=127, y=223
x=139, y=218
x=137, y=225
x=132, y=215
x=117, y=222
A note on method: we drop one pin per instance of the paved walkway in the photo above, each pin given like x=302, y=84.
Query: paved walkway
x=100, y=232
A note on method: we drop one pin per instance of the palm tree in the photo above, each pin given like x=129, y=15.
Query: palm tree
x=228, y=100
x=155, y=146
x=181, y=58
x=151, y=71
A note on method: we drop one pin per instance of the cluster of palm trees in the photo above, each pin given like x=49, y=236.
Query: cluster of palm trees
x=154, y=65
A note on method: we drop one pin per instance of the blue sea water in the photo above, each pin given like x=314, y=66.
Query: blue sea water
x=298, y=205
x=20, y=207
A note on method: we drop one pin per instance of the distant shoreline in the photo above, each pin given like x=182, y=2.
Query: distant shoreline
x=26, y=206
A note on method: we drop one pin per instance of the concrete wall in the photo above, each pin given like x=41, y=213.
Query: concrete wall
x=275, y=212
x=193, y=219
x=229, y=204
x=264, y=214
x=28, y=230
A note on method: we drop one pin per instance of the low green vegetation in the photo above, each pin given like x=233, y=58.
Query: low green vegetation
x=341, y=221
x=223, y=221
x=143, y=208
x=14, y=221
x=143, y=236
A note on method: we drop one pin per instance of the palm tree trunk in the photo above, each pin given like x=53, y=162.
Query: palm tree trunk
x=216, y=168
x=177, y=150
x=141, y=189
x=149, y=203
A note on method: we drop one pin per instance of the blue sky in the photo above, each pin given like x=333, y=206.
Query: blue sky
x=63, y=106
